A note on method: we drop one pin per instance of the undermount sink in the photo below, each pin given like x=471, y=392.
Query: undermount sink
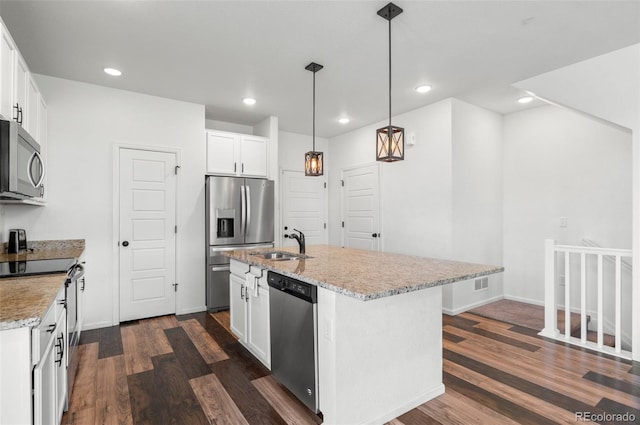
x=280, y=255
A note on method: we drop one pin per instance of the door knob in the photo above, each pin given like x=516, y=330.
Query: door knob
x=375, y=235
x=125, y=243
x=286, y=228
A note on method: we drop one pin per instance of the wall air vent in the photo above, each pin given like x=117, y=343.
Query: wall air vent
x=480, y=284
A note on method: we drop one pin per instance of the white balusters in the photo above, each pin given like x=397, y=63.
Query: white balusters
x=606, y=286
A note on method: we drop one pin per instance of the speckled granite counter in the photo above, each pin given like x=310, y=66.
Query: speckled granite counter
x=46, y=250
x=25, y=300
x=367, y=275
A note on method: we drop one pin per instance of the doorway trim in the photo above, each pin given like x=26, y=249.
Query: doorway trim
x=115, y=233
x=380, y=200
x=279, y=240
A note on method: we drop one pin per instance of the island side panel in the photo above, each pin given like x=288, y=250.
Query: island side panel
x=15, y=376
x=379, y=358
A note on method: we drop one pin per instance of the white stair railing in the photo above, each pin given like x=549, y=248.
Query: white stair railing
x=551, y=302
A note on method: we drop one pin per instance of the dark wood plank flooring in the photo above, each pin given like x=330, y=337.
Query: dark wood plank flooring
x=191, y=370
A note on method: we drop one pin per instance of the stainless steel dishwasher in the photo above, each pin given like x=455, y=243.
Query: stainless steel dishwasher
x=294, y=336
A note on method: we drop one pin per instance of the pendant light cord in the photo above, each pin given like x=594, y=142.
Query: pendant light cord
x=389, y=74
x=314, y=111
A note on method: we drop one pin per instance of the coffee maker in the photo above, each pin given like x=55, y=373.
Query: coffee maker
x=17, y=241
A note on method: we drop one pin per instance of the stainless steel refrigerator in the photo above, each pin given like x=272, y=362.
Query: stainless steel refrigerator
x=239, y=215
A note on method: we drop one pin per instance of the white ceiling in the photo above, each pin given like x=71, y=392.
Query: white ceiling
x=217, y=52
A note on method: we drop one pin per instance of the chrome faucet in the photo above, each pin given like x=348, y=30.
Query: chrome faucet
x=300, y=239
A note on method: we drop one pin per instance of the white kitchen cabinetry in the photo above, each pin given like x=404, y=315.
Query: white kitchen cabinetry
x=250, y=309
x=258, y=323
x=237, y=307
x=21, y=99
x=33, y=366
x=7, y=73
x=50, y=376
x=21, y=90
x=237, y=154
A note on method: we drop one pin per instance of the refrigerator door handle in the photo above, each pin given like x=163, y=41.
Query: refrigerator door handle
x=243, y=210
x=248, y=217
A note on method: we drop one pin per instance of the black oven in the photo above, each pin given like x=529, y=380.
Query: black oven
x=21, y=166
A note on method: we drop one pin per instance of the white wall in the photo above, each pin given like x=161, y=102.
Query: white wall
x=416, y=194
x=477, y=201
x=558, y=163
x=608, y=87
x=85, y=122
x=228, y=126
x=445, y=199
x=293, y=146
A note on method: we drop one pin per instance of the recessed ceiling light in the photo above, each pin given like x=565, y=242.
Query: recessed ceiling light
x=343, y=120
x=423, y=89
x=113, y=72
x=525, y=99
x=249, y=101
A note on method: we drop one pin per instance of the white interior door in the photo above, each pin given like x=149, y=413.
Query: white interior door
x=304, y=207
x=147, y=217
x=361, y=207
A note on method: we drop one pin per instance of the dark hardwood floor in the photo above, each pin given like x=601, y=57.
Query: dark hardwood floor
x=191, y=370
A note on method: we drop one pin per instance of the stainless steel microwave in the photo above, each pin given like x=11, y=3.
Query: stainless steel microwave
x=21, y=166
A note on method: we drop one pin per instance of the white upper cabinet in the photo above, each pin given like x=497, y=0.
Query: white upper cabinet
x=7, y=73
x=21, y=90
x=222, y=153
x=254, y=156
x=20, y=98
x=237, y=154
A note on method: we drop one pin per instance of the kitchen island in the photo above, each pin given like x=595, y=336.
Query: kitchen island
x=379, y=327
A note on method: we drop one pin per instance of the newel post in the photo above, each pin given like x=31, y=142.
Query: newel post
x=550, y=310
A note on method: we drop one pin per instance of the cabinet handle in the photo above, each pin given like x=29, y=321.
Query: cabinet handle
x=60, y=347
x=20, y=115
x=242, y=292
x=51, y=328
x=17, y=108
x=243, y=167
x=235, y=166
x=82, y=286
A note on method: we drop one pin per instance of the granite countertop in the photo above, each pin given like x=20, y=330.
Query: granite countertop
x=46, y=250
x=367, y=275
x=25, y=300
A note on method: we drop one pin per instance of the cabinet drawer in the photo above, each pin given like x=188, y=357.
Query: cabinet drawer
x=238, y=268
x=45, y=330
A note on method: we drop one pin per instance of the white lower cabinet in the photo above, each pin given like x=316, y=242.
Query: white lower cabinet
x=249, y=307
x=33, y=366
x=50, y=377
x=237, y=307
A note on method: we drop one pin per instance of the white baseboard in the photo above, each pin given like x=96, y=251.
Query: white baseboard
x=96, y=325
x=523, y=300
x=190, y=310
x=429, y=395
x=467, y=307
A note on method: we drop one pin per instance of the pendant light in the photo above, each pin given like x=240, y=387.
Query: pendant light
x=390, y=139
x=313, y=164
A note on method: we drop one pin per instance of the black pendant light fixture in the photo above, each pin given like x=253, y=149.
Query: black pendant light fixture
x=390, y=139
x=313, y=164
